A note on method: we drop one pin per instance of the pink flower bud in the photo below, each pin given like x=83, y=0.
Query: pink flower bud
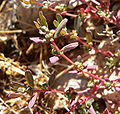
x=32, y=101
x=110, y=53
x=72, y=72
x=93, y=67
x=54, y=59
x=37, y=40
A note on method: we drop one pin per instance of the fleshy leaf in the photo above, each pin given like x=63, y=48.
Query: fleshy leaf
x=29, y=78
x=92, y=67
x=37, y=25
x=42, y=19
x=14, y=95
x=89, y=38
x=54, y=59
x=72, y=72
x=16, y=85
x=110, y=53
x=77, y=23
x=34, y=2
x=38, y=20
x=29, y=2
x=37, y=40
x=70, y=47
x=59, y=28
x=74, y=36
x=59, y=17
x=56, y=23
x=51, y=80
x=32, y=101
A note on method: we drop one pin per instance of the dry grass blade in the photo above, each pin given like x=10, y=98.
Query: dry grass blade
x=12, y=31
x=7, y=106
x=2, y=5
x=41, y=55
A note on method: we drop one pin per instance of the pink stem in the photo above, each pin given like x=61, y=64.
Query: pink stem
x=97, y=50
x=64, y=56
x=62, y=12
x=82, y=91
x=87, y=97
x=39, y=4
x=90, y=5
x=95, y=77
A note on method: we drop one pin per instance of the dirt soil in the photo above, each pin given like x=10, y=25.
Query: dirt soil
x=18, y=53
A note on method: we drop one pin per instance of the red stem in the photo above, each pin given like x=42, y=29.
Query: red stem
x=95, y=77
x=73, y=15
x=90, y=5
x=108, y=5
x=62, y=12
x=97, y=50
x=87, y=97
x=39, y=4
x=82, y=91
x=64, y=56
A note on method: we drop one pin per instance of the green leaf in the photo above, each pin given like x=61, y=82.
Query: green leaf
x=59, y=28
x=89, y=38
x=37, y=25
x=56, y=23
x=38, y=20
x=77, y=23
x=29, y=78
x=16, y=85
x=43, y=19
x=74, y=36
x=29, y=2
x=33, y=2
x=63, y=32
x=59, y=17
